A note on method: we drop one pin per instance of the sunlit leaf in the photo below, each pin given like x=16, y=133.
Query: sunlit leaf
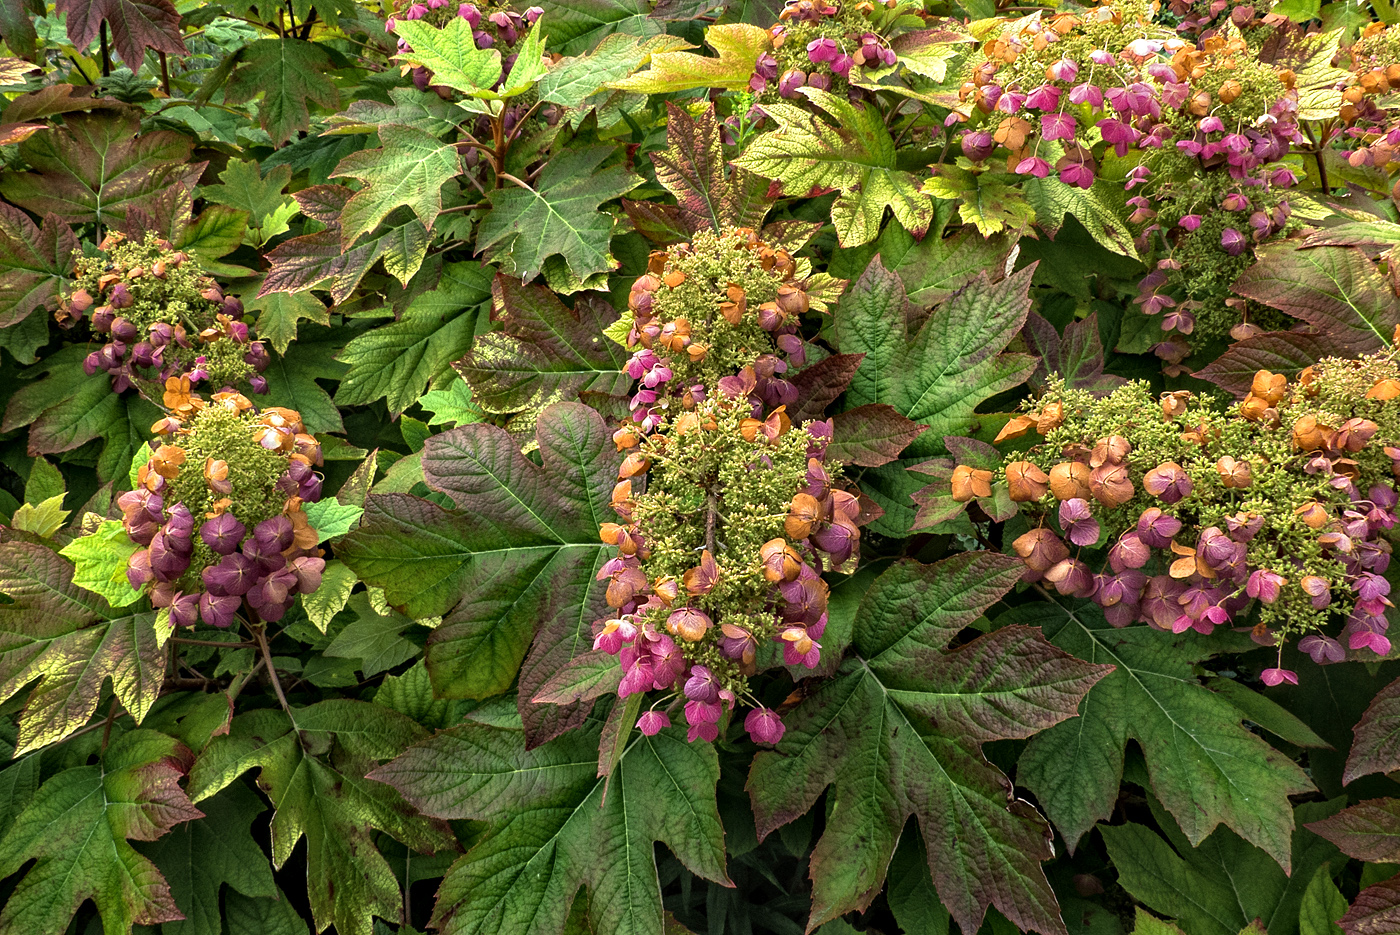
x=410, y=169
x=451, y=54
x=737, y=46
x=71, y=640
x=100, y=561
x=553, y=825
x=79, y=827
x=327, y=801
x=573, y=80
x=854, y=154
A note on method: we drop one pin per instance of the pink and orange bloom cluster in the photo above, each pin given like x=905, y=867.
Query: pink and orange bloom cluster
x=728, y=512
x=1274, y=518
x=218, y=513
x=161, y=318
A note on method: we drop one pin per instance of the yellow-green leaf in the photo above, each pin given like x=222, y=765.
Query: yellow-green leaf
x=737, y=45
x=100, y=561
x=43, y=519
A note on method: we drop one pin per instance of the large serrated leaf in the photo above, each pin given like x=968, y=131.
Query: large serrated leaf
x=737, y=45
x=100, y=562
x=78, y=827
x=1100, y=209
x=936, y=374
x=574, y=27
x=409, y=169
x=288, y=73
x=557, y=215
x=1377, y=745
x=451, y=53
x=552, y=825
x=65, y=410
x=34, y=262
x=1337, y=290
x=693, y=170
x=328, y=801
x=573, y=80
x=899, y=731
x=71, y=641
x=543, y=353
x=1286, y=352
x=1077, y=357
x=517, y=556
x=97, y=167
x=397, y=361
x=137, y=25
x=855, y=155
x=1204, y=766
x=1224, y=884
x=200, y=857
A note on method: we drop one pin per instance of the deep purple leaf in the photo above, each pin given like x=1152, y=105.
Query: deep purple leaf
x=1337, y=290
x=1285, y=352
x=1375, y=910
x=820, y=384
x=137, y=25
x=872, y=435
x=1377, y=745
x=1368, y=831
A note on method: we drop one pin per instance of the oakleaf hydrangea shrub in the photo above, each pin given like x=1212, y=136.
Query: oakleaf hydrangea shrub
x=218, y=511
x=162, y=319
x=1184, y=515
x=729, y=512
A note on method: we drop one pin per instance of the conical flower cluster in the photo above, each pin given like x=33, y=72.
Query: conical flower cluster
x=1210, y=118
x=721, y=308
x=218, y=511
x=1274, y=516
x=728, y=512
x=162, y=318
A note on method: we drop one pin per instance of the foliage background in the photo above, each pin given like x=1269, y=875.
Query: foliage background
x=436, y=311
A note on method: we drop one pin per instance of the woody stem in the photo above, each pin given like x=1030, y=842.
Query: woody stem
x=711, y=515
x=260, y=634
